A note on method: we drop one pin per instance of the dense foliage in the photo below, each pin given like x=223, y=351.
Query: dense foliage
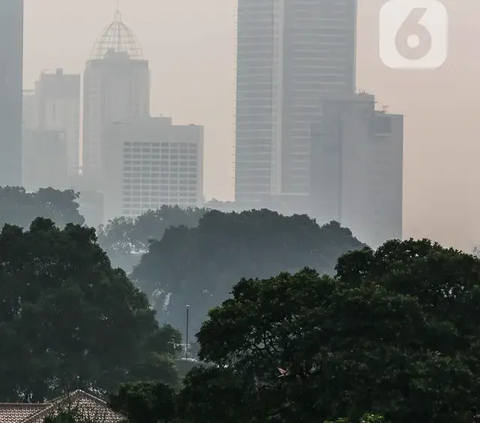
x=145, y=402
x=198, y=266
x=19, y=207
x=125, y=239
x=396, y=332
x=392, y=337
x=69, y=321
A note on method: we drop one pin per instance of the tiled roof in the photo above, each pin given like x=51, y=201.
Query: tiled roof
x=17, y=413
x=87, y=404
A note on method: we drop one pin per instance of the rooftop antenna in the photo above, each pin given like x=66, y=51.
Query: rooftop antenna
x=118, y=18
x=118, y=15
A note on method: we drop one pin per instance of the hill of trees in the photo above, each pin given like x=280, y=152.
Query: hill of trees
x=198, y=266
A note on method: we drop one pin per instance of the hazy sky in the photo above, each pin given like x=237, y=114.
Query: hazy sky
x=191, y=48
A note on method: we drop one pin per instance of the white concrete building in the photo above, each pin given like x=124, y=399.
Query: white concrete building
x=289, y=53
x=116, y=89
x=357, y=168
x=150, y=163
x=58, y=108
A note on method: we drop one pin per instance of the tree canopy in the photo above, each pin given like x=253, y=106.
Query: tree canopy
x=125, y=239
x=395, y=333
x=68, y=320
x=198, y=266
x=145, y=402
x=19, y=207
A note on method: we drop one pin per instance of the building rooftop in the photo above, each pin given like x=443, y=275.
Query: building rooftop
x=117, y=38
x=88, y=404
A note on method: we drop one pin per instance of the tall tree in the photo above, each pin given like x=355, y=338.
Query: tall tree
x=198, y=266
x=69, y=321
x=125, y=239
x=395, y=332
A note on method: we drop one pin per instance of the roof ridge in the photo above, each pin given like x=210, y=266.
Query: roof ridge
x=57, y=402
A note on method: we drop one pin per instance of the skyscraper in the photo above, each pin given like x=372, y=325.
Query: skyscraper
x=116, y=89
x=289, y=53
x=11, y=78
x=58, y=102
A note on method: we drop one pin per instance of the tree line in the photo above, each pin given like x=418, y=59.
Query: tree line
x=296, y=322
x=194, y=256
x=391, y=337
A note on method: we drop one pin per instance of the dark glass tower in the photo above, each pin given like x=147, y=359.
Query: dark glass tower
x=11, y=78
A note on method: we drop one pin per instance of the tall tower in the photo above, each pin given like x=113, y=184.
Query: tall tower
x=116, y=89
x=58, y=102
x=289, y=53
x=11, y=79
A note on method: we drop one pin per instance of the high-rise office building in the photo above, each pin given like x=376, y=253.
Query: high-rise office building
x=357, y=168
x=11, y=78
x=289, y=53
x=150, y=163
x=116, y=89
x=58, y=107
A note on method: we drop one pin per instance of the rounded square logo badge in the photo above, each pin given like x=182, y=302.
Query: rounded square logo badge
x=413, y=34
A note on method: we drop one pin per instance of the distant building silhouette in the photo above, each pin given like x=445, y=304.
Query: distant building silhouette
x=357, y=168
x=58, y=102
x=51, y=126
x=116, y=89
x=289, y=53
x=11, y=79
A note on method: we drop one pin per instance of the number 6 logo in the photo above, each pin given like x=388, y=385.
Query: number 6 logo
x=413, y=34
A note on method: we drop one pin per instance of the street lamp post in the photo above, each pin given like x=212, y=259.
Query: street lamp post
x=186, y=332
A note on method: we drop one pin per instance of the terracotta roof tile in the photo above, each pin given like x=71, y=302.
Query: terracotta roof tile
x=89, y=405
x=17, y=413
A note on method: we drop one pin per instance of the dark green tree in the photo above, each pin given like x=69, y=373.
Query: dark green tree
x=125, y=239
x=198, y=266
x=394, y=333
x=216, y=394
x=68, y=320
x=18, y=207
x=145, y=402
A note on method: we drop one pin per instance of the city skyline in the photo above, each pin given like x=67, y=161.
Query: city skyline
x=191, y=55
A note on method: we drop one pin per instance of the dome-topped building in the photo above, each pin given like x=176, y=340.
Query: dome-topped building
x=117, y=38
x=116, y=89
